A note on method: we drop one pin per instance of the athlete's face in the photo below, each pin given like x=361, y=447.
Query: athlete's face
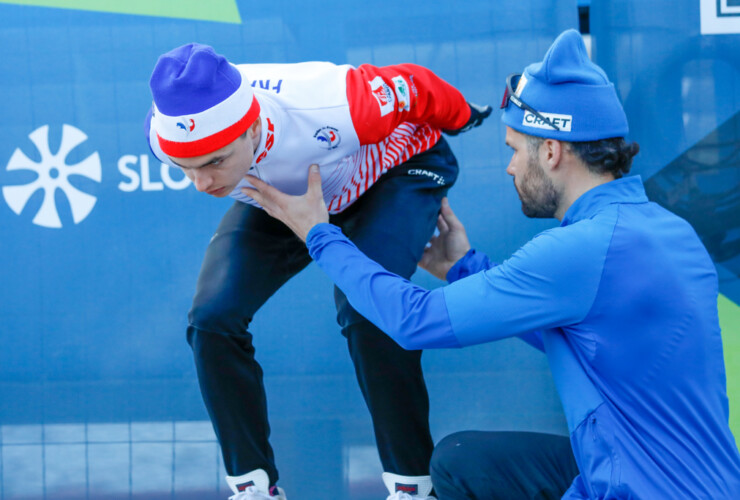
x=536, y=191
x=219, y=172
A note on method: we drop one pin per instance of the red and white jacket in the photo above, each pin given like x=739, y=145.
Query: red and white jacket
x=355, y=123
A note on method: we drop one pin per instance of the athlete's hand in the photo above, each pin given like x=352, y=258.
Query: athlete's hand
x=478, y=113
x=299, y=213
x=448, y=247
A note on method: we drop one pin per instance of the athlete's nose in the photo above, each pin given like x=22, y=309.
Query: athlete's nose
x=202, y=180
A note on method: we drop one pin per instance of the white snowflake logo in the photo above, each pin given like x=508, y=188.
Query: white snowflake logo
x=53, y=173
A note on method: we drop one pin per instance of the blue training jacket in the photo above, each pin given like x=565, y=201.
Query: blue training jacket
x=622, y=297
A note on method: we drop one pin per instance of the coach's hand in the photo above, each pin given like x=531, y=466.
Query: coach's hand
x=299, y=213
x=448, y=247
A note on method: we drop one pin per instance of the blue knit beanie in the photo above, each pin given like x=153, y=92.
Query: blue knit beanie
x=572, y=92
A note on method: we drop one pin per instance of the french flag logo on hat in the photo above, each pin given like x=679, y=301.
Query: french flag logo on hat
x=201, y=101
x=187, y=125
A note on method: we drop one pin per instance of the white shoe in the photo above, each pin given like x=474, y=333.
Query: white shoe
x=254, y=485
x=408, y=487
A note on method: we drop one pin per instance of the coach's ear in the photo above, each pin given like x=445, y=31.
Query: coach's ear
x=551, y=154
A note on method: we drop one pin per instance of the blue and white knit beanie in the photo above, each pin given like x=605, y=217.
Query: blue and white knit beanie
x=572, y=92
x=201, y=101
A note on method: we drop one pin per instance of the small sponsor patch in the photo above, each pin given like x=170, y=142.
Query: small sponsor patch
x=413, y=86
x=411, y=489
x=244, y=486
x=402, y=93
x=328, y=137
x=563, y=122
x=383, y=94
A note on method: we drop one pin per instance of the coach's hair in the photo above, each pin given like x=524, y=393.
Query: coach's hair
x=605, y=156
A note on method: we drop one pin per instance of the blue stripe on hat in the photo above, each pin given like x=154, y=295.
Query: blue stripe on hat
x=192, y=78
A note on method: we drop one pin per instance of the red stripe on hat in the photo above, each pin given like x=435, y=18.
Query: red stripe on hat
x=212, y=142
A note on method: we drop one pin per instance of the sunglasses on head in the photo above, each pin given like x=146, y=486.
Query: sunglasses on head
x=510, y=96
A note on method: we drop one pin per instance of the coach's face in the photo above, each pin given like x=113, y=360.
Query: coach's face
x=536, y=191
x=219, y=172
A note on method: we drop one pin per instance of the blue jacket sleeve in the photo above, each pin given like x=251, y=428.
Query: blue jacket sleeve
x=550, y=282
x=471, y=263
x=475, y=262
x=414, y=317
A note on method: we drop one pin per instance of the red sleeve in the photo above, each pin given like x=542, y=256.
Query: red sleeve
x=382, y=98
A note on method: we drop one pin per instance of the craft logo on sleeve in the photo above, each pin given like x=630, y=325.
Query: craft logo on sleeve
x=720, y=17
x=383, y=94
x=402, y=93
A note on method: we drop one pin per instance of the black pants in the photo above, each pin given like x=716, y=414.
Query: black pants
x=252, y=255
x=475, y=465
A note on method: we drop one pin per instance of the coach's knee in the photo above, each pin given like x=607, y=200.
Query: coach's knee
x=450, y=454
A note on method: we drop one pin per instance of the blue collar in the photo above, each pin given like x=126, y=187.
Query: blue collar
x=624, y=190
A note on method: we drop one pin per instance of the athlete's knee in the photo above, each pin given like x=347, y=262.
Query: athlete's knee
x=208, y=346
x=218, y=313
x=347, y=316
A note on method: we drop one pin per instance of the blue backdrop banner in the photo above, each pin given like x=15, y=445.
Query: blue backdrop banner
x=101, y=246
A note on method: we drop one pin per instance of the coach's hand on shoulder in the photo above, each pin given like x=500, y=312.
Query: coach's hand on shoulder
x=448, y=247
x=478, y=113
x=299, y=213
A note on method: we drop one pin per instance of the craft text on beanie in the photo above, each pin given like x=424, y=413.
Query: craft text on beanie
x=565, y=97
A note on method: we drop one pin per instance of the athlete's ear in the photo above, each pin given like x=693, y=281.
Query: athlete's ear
x=255, y=129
